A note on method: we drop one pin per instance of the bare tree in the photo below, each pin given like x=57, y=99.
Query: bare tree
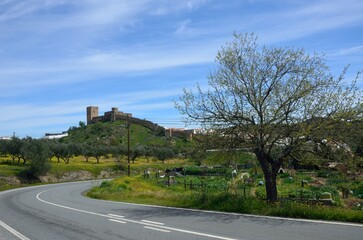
x=271, y=100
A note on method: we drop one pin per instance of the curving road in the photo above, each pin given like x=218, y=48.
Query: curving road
x=55, y=212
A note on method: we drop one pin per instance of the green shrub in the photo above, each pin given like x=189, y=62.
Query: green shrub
x=196, y=170
x=323, y=173
x=260, y=192
x=302, y=193
x=105, y=184
x=299, y=210
x=358, y=191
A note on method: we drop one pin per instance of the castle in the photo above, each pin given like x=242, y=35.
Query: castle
x=115, y=115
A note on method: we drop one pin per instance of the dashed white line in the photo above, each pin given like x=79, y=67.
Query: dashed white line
x=132, y=221
x=158, y=229
x=115, y=216
x=197, y=233
x=13, y=231
x=118, y=221
x=157, y=223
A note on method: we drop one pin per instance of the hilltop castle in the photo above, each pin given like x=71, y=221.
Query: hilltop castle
x=115, y=115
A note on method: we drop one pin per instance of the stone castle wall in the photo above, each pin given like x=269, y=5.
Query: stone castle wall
x=115, y=115
x=180, y=133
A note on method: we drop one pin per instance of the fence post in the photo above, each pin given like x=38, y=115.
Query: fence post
x=185, y=184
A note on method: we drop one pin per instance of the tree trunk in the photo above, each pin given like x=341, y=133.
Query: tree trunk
x=270, y=169
x=271, y=188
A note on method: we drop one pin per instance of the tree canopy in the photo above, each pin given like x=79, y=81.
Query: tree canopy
x=275, y=101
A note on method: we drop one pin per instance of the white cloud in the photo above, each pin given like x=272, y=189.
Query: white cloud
x=164, y=7
x=17, y=9
x=313, y=17
x=349, y=51
x=50, y=45
x=146, y=61
x=182, y=26
x=130, y=101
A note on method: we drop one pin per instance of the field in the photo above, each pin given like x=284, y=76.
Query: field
x=221, y=193
x=215, y=188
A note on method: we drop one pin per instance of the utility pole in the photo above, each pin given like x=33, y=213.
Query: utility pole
x=128, y=146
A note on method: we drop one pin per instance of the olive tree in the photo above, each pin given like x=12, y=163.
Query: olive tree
x=271, y=100
x=37, y=152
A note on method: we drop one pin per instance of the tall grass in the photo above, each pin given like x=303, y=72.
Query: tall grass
x=138, y=190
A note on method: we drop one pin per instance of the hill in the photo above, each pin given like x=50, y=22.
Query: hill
x=116, y=133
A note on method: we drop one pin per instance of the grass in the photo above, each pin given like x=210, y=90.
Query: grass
x=148, y=191
x=218, y=196
x=7, y=169
x=300, y=210
x=137, y=190
x=79, y=164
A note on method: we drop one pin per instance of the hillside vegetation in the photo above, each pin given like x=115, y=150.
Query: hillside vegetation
x=207, y=180
x=115, y=133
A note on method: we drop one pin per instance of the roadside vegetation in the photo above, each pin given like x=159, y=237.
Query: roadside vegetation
x=281, y=136
x=220, y=190
x=207, y=181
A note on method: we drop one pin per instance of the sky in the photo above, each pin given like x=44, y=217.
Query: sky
x=59, y=56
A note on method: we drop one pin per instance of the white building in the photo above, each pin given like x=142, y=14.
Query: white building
x=55, y=135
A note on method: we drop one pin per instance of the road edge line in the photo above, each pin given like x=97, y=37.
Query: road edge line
x=13, y=231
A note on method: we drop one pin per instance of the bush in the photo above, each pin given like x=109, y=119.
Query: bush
x=300, y=210
x=37, y=153
x=358, y=191
x=200, y=171
x=105, y=184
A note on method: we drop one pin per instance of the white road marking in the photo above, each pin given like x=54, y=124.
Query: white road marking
x=13, y=231
x=243, y=215
x=157, y=223
x=118, y=221
x=69, y=208
x=157, y=229
x=115, y=216
x=197, y=233
x=133, y=221
x=205, y=211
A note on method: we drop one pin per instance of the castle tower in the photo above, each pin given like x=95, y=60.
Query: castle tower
x=92, y=111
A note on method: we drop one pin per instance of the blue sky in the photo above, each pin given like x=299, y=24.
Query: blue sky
x=59, y=56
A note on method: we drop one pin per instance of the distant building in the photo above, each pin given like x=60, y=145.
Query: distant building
x=113, y=115
x=5, y=138
x=116, y=115
x=180, y=133
x=55, y=135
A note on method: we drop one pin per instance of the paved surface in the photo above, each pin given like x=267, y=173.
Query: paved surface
x=61, y=212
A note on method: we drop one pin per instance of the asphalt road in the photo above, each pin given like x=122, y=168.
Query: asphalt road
x=54, y=212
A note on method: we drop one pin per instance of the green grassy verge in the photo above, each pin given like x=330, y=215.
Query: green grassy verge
x=138, y=190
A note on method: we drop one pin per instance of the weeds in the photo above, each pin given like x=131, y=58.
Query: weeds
x=139, y=190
